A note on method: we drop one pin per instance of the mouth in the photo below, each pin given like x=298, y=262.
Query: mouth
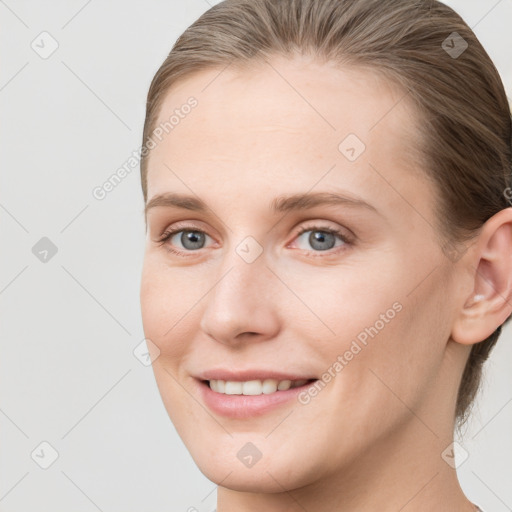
x=238, y=399
x=254, y=387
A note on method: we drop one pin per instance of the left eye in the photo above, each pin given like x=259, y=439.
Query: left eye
x=321, y=239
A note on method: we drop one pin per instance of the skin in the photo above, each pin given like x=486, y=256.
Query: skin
x=372, y=438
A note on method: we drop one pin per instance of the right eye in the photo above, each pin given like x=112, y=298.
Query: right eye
x=191, y=240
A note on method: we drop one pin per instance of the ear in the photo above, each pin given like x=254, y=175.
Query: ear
x=490, y=265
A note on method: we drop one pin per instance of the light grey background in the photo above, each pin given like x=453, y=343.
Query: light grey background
x=68, y=375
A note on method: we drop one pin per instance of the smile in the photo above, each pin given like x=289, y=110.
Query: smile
x=239, y=399
x=254, y=387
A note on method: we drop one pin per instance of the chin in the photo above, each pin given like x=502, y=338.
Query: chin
x=254, y=480
x=222, y=464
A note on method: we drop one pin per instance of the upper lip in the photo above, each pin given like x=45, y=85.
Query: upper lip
x=250, y=374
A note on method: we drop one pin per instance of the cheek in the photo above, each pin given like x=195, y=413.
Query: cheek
x=167, y=305
x=398, y=345
x=166, y=316
x=339, y=305
x=372, y=327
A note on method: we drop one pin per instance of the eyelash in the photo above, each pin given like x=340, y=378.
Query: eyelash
x=167, y=235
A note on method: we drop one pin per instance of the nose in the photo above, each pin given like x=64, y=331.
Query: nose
x=242, y=305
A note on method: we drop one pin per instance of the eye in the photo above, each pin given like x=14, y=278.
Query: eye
x=190, y=240
x=321, y=238
x=183, y=242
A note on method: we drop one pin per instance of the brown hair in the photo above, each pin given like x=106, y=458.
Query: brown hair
x=463, y=108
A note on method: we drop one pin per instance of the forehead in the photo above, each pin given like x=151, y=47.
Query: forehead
x=282, y=119
x=296, y=92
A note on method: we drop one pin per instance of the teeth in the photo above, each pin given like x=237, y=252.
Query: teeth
x=233, y=388
x=269, y=386
x=254, y=387
x=284, y=385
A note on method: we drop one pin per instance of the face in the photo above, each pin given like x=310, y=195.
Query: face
x=305, y=252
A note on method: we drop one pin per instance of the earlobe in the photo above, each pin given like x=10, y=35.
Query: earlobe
x=490, y=302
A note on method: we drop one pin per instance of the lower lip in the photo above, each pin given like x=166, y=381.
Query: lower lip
x=246, y=406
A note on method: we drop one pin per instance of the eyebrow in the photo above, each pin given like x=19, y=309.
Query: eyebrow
x=280, y=204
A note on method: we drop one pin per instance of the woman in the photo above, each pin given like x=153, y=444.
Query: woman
x=328, y=259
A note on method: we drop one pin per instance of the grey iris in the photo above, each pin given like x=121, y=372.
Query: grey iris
x=318, y=239
x=192, y=239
